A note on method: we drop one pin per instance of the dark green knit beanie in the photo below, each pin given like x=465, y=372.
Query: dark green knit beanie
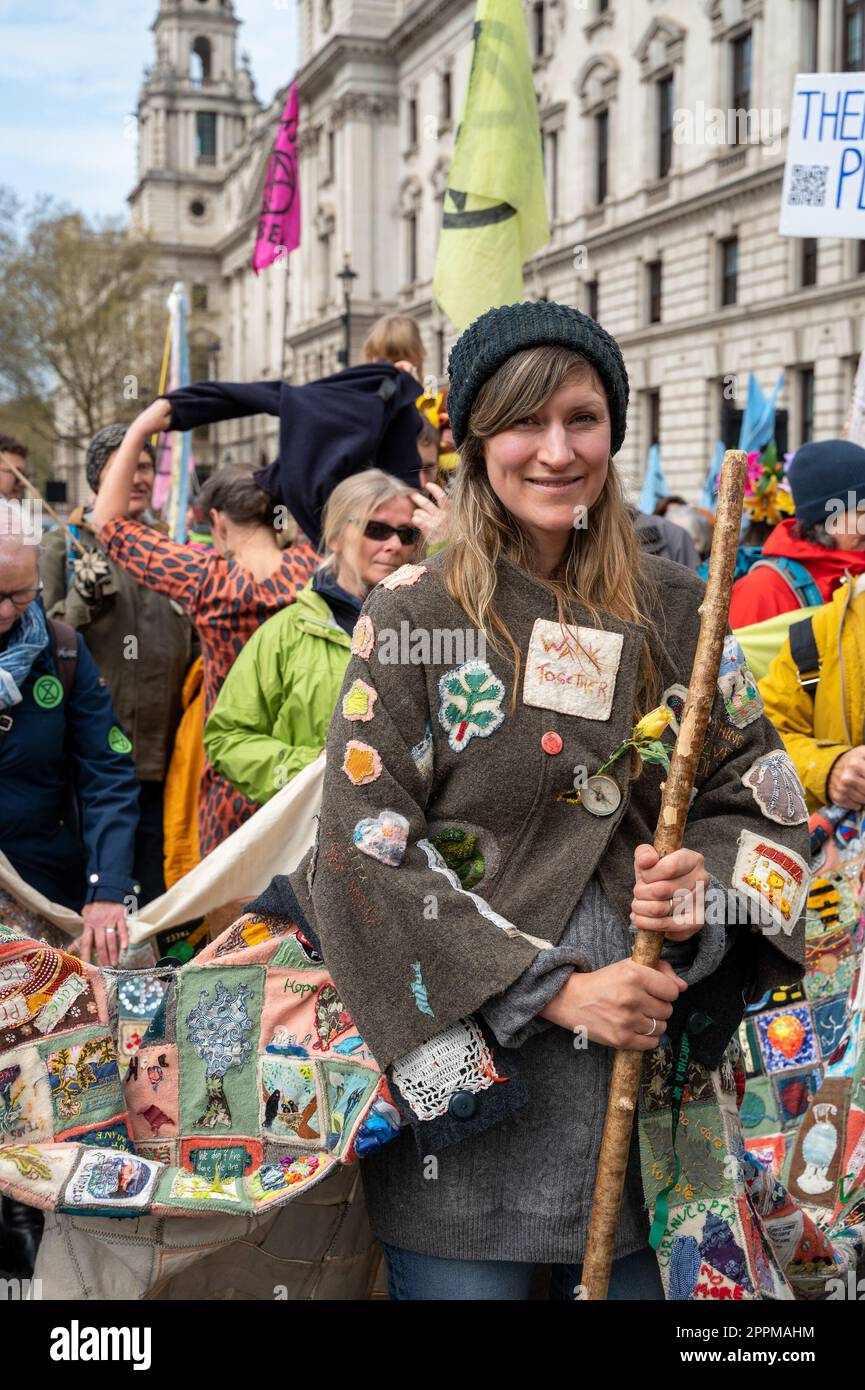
x=499, y=333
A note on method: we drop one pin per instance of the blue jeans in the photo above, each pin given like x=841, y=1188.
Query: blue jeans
x=428, y=1278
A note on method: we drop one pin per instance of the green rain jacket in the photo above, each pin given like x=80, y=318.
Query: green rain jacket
x=272, y=714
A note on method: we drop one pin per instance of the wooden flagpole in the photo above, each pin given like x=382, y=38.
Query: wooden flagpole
x=675, y=803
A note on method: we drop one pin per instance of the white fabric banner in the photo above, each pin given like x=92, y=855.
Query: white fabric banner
x=272, y=842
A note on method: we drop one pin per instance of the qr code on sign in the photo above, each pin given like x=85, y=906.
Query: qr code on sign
x=808, y=186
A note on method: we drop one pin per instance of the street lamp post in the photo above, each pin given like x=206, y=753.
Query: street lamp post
x=346, y=275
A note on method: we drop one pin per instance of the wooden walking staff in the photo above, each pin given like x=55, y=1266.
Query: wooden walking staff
x=675, y=803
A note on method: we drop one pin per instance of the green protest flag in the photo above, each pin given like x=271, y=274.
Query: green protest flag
x=495, y=211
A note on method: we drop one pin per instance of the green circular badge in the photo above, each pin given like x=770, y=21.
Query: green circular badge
x=47, y=692
x=117, y=740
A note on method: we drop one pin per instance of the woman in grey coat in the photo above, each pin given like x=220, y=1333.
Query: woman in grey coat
x=476, y=872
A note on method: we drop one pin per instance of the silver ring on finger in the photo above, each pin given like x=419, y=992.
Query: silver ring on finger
x=672, y=901
x=651, y=1032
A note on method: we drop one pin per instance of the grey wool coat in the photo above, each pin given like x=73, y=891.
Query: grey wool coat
x=416, y=746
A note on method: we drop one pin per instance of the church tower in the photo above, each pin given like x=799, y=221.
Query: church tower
x=195, y=108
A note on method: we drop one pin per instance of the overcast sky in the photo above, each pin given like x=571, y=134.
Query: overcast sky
x=70, y=72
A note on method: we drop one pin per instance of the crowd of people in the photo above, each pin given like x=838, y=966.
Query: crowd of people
x=141, y=677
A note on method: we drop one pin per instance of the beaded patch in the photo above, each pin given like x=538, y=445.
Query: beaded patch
x=742, y=699
x=383, y=837
x=775, y=786
x=773, y=877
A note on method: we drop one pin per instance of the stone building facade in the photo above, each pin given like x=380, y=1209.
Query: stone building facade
x=663, y=204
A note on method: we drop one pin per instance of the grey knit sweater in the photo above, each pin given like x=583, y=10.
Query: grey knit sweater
x=522, y=1190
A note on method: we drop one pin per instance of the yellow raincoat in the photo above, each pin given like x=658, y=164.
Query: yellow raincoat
x=817, y=731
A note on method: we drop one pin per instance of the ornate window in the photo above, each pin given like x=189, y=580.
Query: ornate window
x=410, y=198
x=597, y=88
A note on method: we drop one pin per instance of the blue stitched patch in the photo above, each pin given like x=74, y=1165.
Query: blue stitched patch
x=418, y=989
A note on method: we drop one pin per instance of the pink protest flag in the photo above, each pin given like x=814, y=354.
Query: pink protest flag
x=279, y=223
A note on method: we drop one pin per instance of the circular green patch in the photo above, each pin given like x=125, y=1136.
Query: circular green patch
x=47, y=692
x=117, y=740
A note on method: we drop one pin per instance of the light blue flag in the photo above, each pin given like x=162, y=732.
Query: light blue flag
x=709, y=498
x=758, y=421
x=655, y=485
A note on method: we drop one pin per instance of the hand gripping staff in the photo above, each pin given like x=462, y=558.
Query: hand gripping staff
x=675, y=802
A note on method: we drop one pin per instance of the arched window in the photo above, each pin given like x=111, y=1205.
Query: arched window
x=199, y=63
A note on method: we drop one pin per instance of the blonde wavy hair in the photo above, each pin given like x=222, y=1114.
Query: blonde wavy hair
x=350, y=505
x=601, y=568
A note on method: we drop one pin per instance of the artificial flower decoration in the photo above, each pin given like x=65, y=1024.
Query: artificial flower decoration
x=646, y=739
x=767, y=496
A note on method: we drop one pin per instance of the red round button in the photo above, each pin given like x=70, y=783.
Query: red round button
x=552, y=742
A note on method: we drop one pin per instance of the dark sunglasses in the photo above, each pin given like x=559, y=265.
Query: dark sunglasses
x=382, y=531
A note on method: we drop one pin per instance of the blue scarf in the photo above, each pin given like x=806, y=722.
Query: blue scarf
x=26, y=640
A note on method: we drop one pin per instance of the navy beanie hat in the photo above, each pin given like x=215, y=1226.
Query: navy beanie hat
x=499, y=333
x=825, y=472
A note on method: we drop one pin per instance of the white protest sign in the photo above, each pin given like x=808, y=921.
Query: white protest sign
x=824, y=179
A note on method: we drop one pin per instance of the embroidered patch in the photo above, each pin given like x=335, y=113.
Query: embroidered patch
x=84, y=1079
x=290, y=1105
x=358, y=703
x=220, y=1158
x=830, y=1020
x=459, y=849
x=180, y=1188
x=572, y=669
x=794, y=1094
x=457, y=1059
x=108, y=1178
x=787, y=1038
x=361, y=764
x=775, y=785
x=674, y=698
x=218, y=1026
x=470, y=703
x=819, y=1151
x=363, y=637
x=347, y=1088
x=422, y=753
x=405, y=575
x=383, y=837
x=773, y=877
x=274, y=1179
x=701, y=1150
x=331, y=1017
x=26, y=1115
x=742, y=700
x=418, y=989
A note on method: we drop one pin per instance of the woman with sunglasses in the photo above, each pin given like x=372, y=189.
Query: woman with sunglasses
x=272, y=714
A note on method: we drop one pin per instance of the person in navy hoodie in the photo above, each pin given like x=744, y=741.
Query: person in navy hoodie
x=69, y=803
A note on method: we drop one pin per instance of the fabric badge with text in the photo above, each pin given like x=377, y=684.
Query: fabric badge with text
x=572, y=669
